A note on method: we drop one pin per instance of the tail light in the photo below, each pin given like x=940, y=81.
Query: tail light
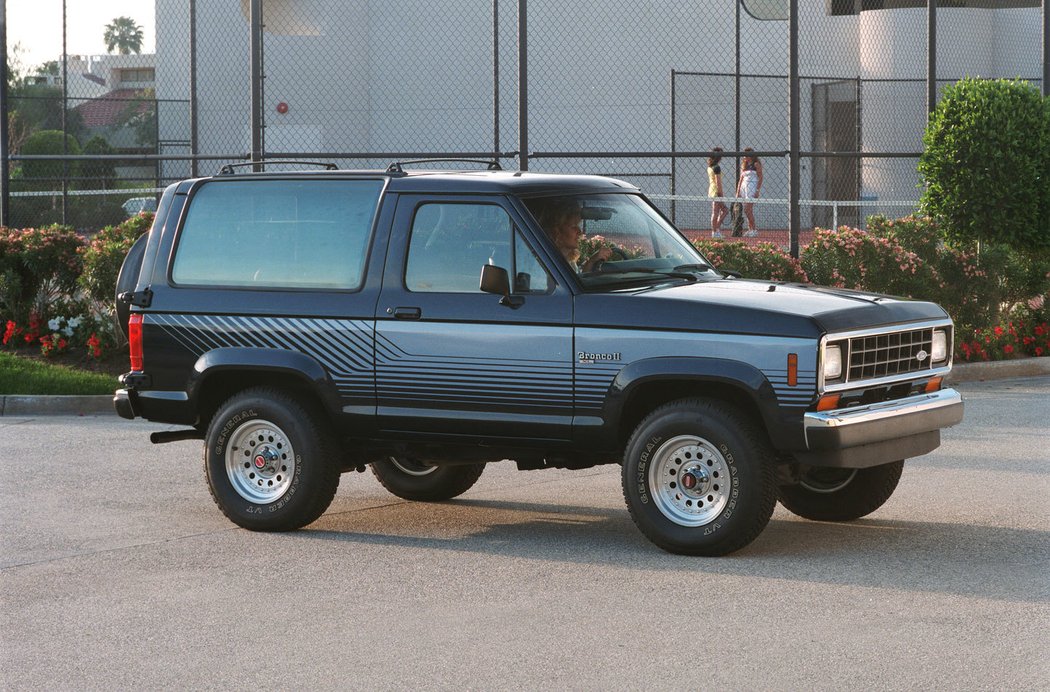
x=135, y=340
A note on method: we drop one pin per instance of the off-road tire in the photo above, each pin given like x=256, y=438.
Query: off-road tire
x=729, y=459
x=841, y=494
x=411, y=479
x=269, y=458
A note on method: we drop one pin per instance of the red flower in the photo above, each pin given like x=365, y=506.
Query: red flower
x=94, y=346
x=11, y=331
x=1038, y=350
x=998, y=331
x=1008, y=349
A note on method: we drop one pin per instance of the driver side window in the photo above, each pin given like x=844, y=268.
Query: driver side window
x=451, y=242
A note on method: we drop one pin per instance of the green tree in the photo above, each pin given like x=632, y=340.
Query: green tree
x=49, y=173
x=123, y=36
x=99, y=174
x=140, y=116
x=986, y=164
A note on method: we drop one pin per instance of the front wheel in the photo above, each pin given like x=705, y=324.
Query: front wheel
x=268, y=458
x=412, y=479
x=832, y=494
x=698, y=478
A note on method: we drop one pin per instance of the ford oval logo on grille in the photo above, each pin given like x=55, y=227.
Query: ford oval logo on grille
x=921, y=356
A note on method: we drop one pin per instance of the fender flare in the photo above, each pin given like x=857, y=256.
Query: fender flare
x=268, y=361
x=782, y=425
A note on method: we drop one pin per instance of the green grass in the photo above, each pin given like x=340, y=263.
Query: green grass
x=25, y=376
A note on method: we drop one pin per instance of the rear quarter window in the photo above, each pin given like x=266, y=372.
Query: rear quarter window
x=310, y=234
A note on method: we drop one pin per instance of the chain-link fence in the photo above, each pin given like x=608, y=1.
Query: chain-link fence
x=639, y=91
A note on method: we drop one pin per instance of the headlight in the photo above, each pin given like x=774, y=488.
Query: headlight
x=940, y=346
x=832, y=363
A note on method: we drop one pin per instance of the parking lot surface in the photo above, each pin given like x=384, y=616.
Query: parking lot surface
x=118, y=572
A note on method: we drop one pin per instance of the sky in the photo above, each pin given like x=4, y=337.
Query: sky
x=36, y=25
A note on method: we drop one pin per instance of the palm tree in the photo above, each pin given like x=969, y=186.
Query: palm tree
x=123, y=35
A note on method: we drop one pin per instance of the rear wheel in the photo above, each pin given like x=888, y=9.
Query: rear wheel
x=412, y=479
x=268, y=458
x=832, y=494
x=698, y=478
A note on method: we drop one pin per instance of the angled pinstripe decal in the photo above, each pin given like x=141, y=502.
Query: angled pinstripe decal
x=338, y=345
x=411, y=379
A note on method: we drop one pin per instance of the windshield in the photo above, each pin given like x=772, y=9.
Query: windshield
x=616, y=241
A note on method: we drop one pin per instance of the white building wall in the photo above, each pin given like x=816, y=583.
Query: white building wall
x=366, y=76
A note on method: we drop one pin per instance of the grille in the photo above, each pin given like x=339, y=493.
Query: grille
x=885, y=355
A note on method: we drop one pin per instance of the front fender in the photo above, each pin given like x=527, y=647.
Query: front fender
x=783, y=424
x=266, y=361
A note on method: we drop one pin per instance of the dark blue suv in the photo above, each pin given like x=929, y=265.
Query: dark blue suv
x=425, y=323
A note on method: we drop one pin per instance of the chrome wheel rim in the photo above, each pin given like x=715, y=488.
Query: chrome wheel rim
x=260, y=462
x=412, y=467
x=819, y=480
x=689, y=480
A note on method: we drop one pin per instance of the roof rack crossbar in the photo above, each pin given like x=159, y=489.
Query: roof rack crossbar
x=229, y=168
x=398, y=166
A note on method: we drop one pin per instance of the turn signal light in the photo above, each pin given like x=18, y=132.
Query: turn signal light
x=828, y=402
x=135, y=340
x=934, y=384
x=792, y=369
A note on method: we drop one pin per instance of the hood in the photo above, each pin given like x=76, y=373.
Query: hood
x=752, y=307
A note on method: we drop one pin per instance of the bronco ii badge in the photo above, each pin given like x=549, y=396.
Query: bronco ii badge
x=584, y=357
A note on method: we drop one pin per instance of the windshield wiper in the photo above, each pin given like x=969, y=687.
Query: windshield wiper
x=699, y=266
x=647, y=270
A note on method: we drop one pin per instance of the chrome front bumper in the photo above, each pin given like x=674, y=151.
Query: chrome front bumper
x=889, y=420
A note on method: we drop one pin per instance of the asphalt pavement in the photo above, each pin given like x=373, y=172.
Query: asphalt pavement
x=117, y=572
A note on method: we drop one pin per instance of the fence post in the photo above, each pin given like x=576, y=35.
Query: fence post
x=5, y=182
x=194, y=114
x=931, y=55
x=674, y=159
x=1046, y=50
x=523, y=86
x=794, y=137
x=65, y=128
x=736, y=91
x=495, y=78
x=256, y=69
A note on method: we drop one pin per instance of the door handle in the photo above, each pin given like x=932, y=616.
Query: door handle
x=405, y=313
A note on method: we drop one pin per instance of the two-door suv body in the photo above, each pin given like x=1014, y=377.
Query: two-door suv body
x=425, y=323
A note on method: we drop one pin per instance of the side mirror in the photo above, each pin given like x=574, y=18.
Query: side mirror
x=496, y=280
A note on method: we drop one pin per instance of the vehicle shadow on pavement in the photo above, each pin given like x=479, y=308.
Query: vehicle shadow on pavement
x=980, y=561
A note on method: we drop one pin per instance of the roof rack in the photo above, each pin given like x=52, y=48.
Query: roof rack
x=398, y=166
x=229, y=168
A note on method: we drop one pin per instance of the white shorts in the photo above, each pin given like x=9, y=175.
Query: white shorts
x=749, y=184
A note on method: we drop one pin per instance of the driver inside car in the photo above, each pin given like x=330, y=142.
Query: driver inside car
x=561, y=218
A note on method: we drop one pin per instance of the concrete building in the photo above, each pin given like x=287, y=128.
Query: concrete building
x=364, y=76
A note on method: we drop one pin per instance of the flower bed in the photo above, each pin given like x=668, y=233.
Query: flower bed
x=56, y=293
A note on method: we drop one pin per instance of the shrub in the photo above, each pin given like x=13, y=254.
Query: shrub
x=37, y=267
x=106, y=252
x=976, y=290
x=762, y=261
x=1009, y=340
x=591, y=244
x=102, y=260
x=985, y=160
x=851, y=258
x=43, y=174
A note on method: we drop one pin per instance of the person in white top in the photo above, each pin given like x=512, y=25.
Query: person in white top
x=749, y=186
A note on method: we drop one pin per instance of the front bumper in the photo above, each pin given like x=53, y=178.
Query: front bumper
x=879, y=433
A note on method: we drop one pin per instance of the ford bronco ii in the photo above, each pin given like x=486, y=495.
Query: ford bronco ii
x=425, y=323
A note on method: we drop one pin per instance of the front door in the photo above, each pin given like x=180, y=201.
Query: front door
x=453, y=360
